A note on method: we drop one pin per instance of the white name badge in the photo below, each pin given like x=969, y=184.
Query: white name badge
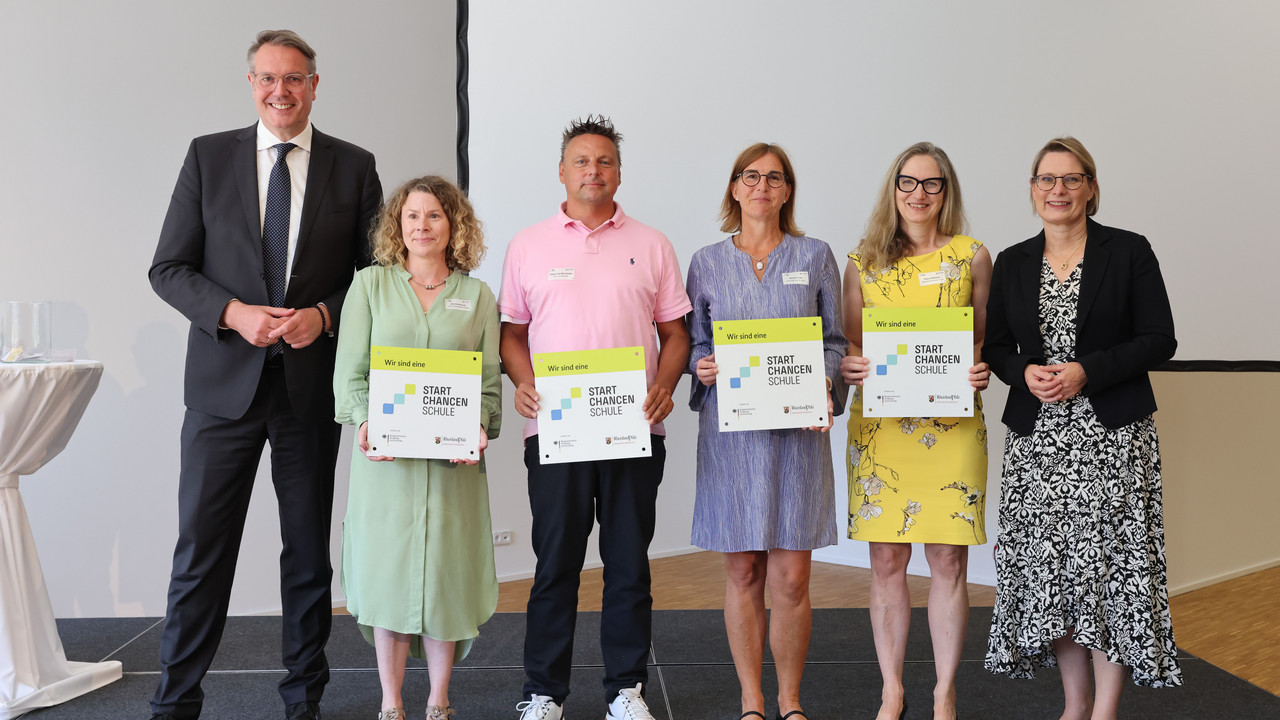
x=560, y=274
x=936, y=277
x=796, y=278
x=457, y=304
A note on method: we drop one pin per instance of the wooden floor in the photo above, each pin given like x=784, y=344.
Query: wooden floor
x=696, y=582
x=1234, y=625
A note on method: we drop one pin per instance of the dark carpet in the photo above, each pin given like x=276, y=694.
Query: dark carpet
x=691, y=675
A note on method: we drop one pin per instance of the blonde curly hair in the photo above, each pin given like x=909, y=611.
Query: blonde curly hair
x=466, y=238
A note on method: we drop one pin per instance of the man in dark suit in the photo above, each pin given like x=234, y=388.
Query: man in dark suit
x=265, y=228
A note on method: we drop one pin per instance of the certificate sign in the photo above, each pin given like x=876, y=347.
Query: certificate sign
x=424, y=403
x=920, y=360
x=772, y=373
x=591, y=405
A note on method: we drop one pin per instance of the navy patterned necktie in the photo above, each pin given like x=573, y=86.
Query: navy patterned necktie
x=275, y=234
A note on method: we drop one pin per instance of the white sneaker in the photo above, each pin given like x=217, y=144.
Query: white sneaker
x=540, y=708
x=628, y=706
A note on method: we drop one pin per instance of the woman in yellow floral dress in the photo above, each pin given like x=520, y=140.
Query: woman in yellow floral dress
x=917, y=479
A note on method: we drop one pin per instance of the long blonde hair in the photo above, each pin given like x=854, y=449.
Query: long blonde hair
x=466, y=239
x=884, y=242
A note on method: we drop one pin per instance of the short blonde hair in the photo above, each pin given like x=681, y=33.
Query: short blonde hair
x=1068, y=144
x=884, y=242
x=731, y=211
x=466, y=238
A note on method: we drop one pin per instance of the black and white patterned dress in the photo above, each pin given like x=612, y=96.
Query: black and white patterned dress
x=1081, y=540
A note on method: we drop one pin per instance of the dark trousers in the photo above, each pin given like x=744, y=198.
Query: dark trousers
x=567, y=499
x=219, y=462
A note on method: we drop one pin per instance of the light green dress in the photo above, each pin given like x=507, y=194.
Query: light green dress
x=417, y=548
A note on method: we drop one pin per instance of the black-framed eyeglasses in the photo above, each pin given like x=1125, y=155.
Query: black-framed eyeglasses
x=932, y=186
x=1070, y=181
x=292, y=82
x=751, y=178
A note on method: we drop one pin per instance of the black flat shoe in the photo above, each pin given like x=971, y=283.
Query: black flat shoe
x=793, y=712
x=749, y=713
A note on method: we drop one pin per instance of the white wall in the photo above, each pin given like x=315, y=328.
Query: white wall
x=101, y=100
x=1175, y=100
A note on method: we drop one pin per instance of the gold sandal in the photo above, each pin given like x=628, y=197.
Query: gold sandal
x=435, y=712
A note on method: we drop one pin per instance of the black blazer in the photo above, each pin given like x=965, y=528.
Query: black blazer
x=1124, y=326
x=210, y=251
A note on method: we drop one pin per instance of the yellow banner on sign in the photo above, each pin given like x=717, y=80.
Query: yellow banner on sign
x=454, y=362
x=917, y=319
x=579, y=362
x=735, y=332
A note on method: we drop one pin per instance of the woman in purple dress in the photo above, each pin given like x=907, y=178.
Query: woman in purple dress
x=765, y=498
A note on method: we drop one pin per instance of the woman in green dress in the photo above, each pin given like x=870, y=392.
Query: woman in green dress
x=417, y=555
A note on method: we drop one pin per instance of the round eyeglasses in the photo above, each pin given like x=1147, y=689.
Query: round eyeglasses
x=293, y=82
x=1070, y=181
x=932, y=186
x=751, y=178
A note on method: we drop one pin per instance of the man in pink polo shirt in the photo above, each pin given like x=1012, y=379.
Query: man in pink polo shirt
x=590, y=278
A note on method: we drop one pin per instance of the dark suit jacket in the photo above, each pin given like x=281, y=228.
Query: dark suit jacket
x=1124, y=326
x=210, y=251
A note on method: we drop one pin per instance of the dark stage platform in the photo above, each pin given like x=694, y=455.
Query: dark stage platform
x=691, y=677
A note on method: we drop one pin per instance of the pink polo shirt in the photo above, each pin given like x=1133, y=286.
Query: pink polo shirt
x=582, y=289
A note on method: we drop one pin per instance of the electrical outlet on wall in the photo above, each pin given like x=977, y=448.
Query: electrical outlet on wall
x=501, y=537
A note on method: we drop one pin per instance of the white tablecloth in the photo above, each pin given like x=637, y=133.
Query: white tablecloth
x=40, y=406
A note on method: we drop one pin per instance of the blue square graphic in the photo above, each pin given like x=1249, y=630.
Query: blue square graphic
x=556, y=414
x=882, y=369
x=735, y=382
x=566, y=403
x=388, y=408
x=891, y=360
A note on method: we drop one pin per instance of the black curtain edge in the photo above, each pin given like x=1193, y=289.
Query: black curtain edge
x=464, y=107
x=1243, y=366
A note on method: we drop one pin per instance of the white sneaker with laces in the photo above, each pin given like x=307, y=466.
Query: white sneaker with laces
x=540, y=707
x=629, y=705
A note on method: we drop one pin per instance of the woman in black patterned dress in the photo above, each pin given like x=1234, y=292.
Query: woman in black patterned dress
x=1076, y=318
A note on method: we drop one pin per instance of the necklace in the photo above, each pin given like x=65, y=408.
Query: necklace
x=1063, y=266
x=759, y=261
x=428, y=287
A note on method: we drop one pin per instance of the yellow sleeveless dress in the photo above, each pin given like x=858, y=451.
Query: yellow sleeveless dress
x=918, y=479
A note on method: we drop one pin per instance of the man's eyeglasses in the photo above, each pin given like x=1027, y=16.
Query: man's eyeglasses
x=932, y=186
x=267, y=81
x=751, y=178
